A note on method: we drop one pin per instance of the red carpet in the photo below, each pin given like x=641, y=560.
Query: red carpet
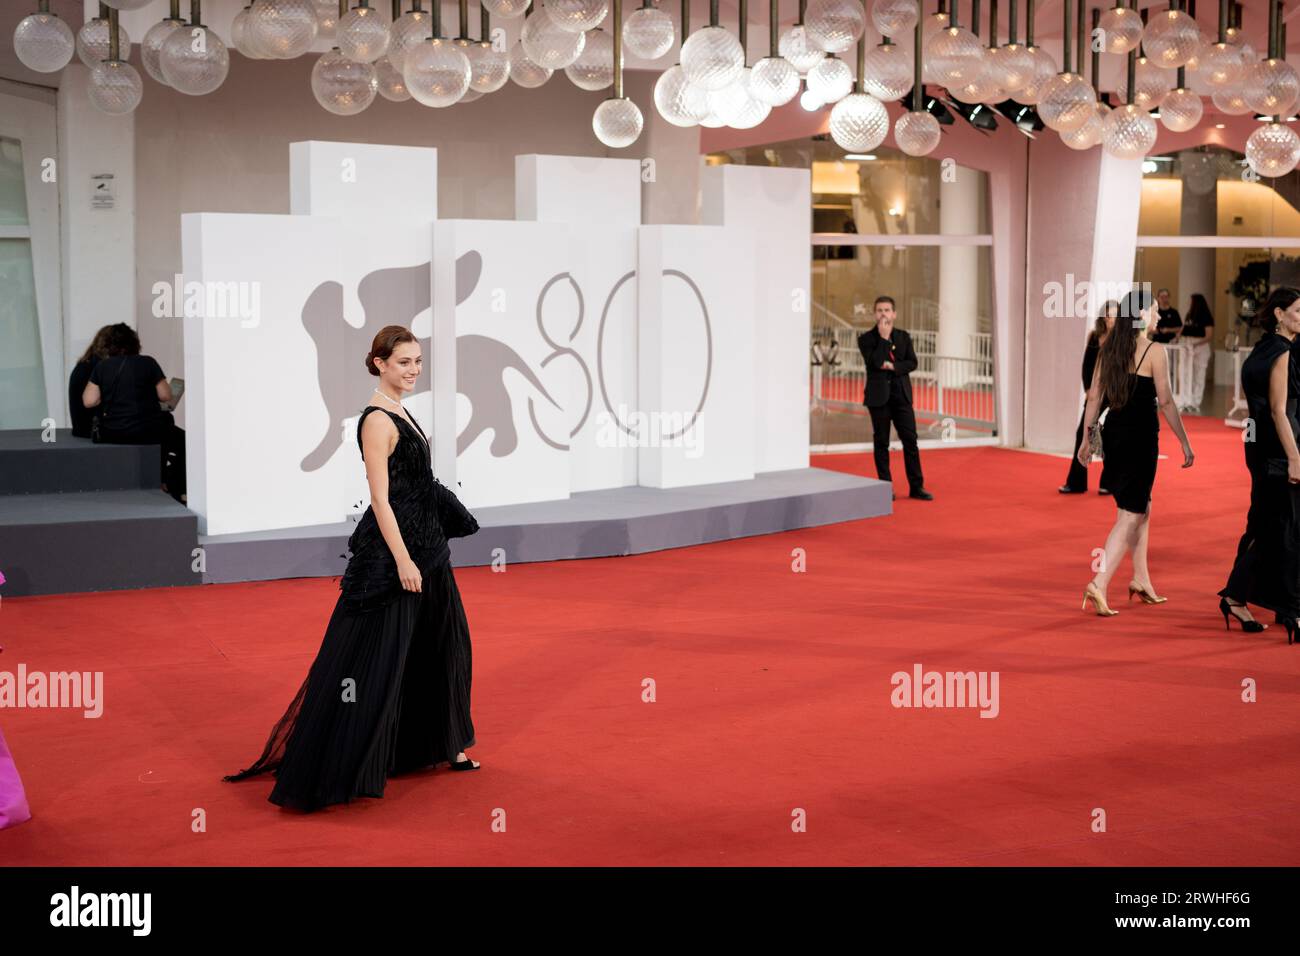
x=773, y=693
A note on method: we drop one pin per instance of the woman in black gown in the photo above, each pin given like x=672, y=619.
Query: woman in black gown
x=1132, y=377
x=1267, y=569
x=389, y=691
x=1076, y=480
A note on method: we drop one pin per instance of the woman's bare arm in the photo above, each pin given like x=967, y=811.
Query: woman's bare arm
x=1091, y=411
x=378, y=438
x=1165, y=399
x=90, y=395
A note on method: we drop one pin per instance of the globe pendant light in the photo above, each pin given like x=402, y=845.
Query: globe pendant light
x=489, y=68
x=241, y=38
x=1013, y=63
x=151, y=45
x=796, y=46
x=43, y=42
x=773, y=80
x=194, y=60
x=617, y=121
x=955, y=54
x=437, y=71
x=1129, y=132
x=391, y=83
x=1273, y=150
x=712, y=58
x=935, y=22
x=677, y=99
x=736, y=104
x=893, y=18
x=1121, y=29
x=594, y=67
x=917, y=132
x=1271, y=85
x=648, y=32
x=114, y=87
x=548, y=44
x=283, y=28
x=1065, y=102
x=92, y=40
x=362, y=33
x=327, y=20
x=1171, y=38
x=342, y=84
x=523, y=70
x=1044, y=67
x=859, y=122
x=577, y=16
x=1218, y=64
x=1152, y=84
x=985, y=86
x=835, y=25
x=830, y=80
x=888, y=71
x=509, y=9
x=407, y=32
x=1093, y=129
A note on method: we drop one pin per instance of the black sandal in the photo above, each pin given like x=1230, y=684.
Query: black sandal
x=466, y=764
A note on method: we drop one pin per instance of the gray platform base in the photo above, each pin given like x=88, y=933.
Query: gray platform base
x=587, y=525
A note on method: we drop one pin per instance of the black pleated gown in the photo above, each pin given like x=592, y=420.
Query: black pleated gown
x=389, y=691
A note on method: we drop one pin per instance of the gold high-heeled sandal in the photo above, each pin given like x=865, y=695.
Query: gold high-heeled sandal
x=1091, y=593
x=1147, y=596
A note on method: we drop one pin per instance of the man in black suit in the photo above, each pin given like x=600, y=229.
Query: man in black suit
x=888, y=396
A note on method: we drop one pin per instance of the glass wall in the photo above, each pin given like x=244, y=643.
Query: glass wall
x=22, y=377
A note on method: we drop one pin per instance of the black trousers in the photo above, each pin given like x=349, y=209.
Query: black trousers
x=1078, y=476
x=171, y=441
x=897, y=412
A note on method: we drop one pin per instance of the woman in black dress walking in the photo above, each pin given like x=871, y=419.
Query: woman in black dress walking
x=389, y=689
x=1267, y=569
x=1076, y=480
x=1132, y=377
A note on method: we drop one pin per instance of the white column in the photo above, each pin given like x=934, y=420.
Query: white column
x=959, y=214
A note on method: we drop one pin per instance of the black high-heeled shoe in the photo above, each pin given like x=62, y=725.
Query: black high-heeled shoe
x=1292, y=628
x=1250, y=627
x=466, y=764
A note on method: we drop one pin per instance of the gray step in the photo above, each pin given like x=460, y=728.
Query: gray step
x=30, y=465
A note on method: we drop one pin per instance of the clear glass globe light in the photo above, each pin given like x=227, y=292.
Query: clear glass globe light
x=363, y=35
x=1271, y=87
x=712, y=58
x=798, y=50
x=470, y=96
x=437, y=72
x=888, y=72
x=774, y=81
x=917, y=133
x=808, y=101
x=1129, y=132
x=649, y=33
x=835, y=25
x=1121, y=30
x=617, y=122
x=115, y=87
x=1273, y=150
x=549, y=45
x=523, y=70
x=980, y=87
x=1043, y=70
x=152, y=44
x=342, y=85
x=956, y=57
x=392, y=85
x=1014, y=66
x=750, y=111
x=1151, y=84
x=44, y=43
x=327, y=19
x=831, y=80
x=507, y=9
x=1065, y=102
x=1091, y=132
x=1231, y=101
x=1218, y=65
x=1181, y=110
x=194, y=63
x=678, y=100
x=594, y=67
x=893, y=18
x=410, y=30
x=577, y=16
x=489, y=69
x=283, y=28
x=1171, y=38
x=92, y=42
x=859, y=123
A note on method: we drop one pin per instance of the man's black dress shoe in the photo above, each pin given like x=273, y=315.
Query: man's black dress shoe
x=1067, y=490
x=921, y=495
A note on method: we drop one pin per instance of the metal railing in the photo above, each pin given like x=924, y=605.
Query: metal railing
x=945, y=389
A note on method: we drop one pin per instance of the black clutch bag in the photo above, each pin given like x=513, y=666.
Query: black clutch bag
x=454, y=517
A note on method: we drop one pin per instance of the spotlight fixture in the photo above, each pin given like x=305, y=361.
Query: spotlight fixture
x=1024, y=118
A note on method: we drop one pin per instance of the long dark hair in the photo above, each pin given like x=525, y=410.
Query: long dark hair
x=122, y=340
x=1198, y=313
x=1099, y=329
x=1116, y=357
x=98, y=348
x=1283, y=297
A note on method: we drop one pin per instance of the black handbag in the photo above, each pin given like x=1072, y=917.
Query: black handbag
x=453, y=517
x=97, y=420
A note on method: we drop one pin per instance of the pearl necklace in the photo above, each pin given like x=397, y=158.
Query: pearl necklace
x=382, y=395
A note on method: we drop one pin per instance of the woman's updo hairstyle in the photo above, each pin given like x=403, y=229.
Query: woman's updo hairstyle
x=387, y=339
x=1283, y=297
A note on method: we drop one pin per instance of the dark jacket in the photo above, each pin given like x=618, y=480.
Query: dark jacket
x=881, y=381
